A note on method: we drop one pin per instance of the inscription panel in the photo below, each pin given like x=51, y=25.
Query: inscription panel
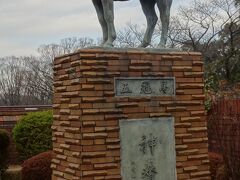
x=143, y=86
x=148, y=149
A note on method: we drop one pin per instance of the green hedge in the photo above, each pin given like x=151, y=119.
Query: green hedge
x=4, y=144
x=32, y=134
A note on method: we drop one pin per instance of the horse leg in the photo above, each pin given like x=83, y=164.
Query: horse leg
x=149, y=11
x=99, y=8
x=109, y=18
x=164, y=7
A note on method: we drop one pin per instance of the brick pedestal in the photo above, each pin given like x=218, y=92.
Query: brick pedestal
x=86, y=139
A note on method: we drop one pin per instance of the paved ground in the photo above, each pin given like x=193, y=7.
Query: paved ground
x=13, y=173
x=14, y=168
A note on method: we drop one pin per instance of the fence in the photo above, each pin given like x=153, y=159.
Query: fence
x=224, y=132
x=224, y=125
x=9, y=115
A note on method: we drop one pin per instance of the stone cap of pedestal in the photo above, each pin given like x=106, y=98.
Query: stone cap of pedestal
x=165, y=51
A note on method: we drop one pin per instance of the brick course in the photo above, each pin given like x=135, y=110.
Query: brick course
x=86, y=112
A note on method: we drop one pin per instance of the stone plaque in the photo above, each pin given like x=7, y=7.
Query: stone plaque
x=148, y=149
x=143, y=86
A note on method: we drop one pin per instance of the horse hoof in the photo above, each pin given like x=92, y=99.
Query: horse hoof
x=161, y=46
x=107, y=45
x=143, y=45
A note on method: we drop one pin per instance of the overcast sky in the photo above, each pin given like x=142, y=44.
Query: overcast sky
x=26, y=24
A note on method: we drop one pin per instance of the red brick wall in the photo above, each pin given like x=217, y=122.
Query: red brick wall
x=86, y=111
x=9, y=115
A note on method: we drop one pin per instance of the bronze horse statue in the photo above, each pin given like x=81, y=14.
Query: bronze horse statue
x=105, y=15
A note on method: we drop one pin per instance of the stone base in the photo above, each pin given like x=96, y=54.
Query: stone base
x=86, y=128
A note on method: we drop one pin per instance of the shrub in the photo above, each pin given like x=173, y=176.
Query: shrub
x=221, y=173
x=4, y=144
x=37, y=167
x=4, y=139
x=32, y=134
x=216, y=161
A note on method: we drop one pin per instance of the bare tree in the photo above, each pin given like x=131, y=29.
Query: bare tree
x=48, y=52
x=132, y=36
x=28, y=80
x=70, y=45
x=12, y=82
x=195, y=26
x=25, y=80
x=211, y=27
x=39, y=79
